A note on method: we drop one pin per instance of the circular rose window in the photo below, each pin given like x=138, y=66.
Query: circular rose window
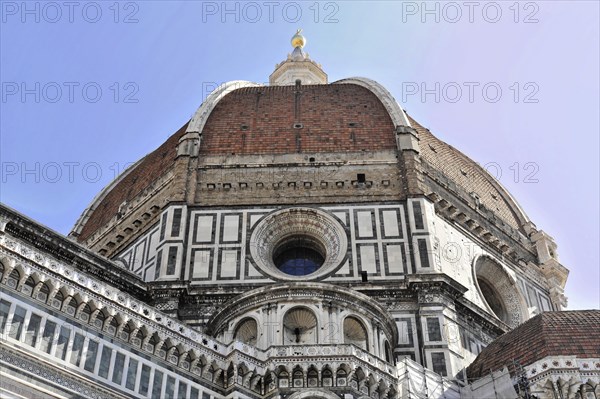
x=298, y=243
x=299, y=255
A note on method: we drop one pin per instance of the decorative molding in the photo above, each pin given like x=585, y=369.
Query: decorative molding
x=29, y=261
x=287, y=223
x=53, y=376
x=298, y=293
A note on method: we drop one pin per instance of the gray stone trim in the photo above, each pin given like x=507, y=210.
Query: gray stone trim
x=52, y=377
x=397, y=114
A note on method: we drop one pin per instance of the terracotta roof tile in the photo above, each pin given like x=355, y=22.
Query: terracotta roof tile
x=567, y=333
x=465, y=172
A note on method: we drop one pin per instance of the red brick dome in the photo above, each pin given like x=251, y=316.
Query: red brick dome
x=351, y=116
x=309, y=119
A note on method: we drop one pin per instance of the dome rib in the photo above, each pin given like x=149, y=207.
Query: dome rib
x=394, y=110
x=198, y=121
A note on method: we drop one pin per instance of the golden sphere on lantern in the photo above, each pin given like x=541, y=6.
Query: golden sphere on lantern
x=298, y=40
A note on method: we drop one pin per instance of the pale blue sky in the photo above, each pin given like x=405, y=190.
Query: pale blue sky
x=169, y=53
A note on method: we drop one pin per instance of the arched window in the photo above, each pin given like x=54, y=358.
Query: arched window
x=283, y=379
x=247, y=331
x=13, y=278
x=112, y=327
x=58, y=299
x=341, y=378
x=126, y=332
x=100, y=319
x=327, y=377
x=388, y=352
x=138, y=338
x=70, y=307
x=43, y=292
x=242, y=371
x=299, y=327
x=151, y=344
x=355, y=332
x=86, y=312
x=175, y=354
x=230, y=375
x=269, y=379
x=298, y=378
x=312, y=378
x=28, y=286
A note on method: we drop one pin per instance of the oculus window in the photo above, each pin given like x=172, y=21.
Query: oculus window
x=299, y=256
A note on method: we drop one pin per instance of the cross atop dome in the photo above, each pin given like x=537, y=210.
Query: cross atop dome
x=298, y=66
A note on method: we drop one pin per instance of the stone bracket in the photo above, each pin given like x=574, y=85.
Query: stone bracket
x=407, y=139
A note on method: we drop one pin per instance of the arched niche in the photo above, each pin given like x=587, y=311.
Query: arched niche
x=247, y=331
x=355, y=332
x=499, y=291
x=313, y=393
x=299, y=327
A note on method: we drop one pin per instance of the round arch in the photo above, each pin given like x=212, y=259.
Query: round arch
x=300, y=326
x=499, y=291
x=314, y=393
x=246, y=331
x=355, y=332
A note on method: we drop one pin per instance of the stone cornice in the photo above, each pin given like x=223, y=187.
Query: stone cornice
x=117, y=302
x=510, y=249
x=69, y=252
x=455, y=204
x=54, y=376
x=440, y=282
x=554, y=367
x=142, y=209
x=434, y=288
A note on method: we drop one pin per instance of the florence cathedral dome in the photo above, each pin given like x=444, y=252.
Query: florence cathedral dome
x=297, y=239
